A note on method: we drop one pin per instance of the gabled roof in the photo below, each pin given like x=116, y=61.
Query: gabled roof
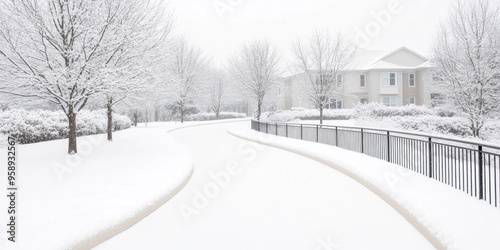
x=366, y=60
x=374, y=59
x=403, y=48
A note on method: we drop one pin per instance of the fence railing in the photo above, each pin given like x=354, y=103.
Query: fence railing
x=468, y=166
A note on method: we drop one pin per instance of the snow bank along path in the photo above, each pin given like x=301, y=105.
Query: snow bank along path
x=79, y=201
x=447, y=217
x=243, y=195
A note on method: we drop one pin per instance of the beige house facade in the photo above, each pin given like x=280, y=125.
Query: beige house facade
x=398, y=78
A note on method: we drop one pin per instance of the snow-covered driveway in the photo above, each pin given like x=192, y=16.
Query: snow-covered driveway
x=248, y=196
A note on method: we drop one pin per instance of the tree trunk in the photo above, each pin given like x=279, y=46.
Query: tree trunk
x=259, y=104
x=109, y=107
x=321, y=115
x=72, y=149
x=182, y=114
x=135, y=119
x=217, y=112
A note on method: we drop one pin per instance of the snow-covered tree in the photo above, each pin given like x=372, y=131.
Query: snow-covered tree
x=64, y=51
x=187, y=66
x=133, y=66
x=322, y=59
x=256, y=68
x=467, y=59
x=217, y=95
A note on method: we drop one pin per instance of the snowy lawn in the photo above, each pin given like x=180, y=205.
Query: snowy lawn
x=81, y=200
x=449, y=218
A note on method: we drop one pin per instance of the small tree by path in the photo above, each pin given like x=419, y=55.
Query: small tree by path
x=256, y=68
x=322, y=59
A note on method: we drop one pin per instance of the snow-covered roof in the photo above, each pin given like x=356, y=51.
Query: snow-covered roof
x=427, y=64
x=376, y=59
x=366, y=60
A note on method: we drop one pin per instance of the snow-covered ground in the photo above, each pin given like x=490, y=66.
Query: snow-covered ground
x=81, y=200
x=448, y=217
x=247, y=196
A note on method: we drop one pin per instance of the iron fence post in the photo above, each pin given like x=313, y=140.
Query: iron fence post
x=301, y=131
x=388, y=147
x=362, y=142
x=480, y=170
x=317, y=133
x=430, y=158
x=266, y=128
x=337, y=136
x=286, y=128
x=276, y=128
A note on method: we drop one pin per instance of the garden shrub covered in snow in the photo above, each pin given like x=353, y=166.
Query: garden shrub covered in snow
x=43, y=125
x=380, y=110
x=211, y=116
x=307, y=114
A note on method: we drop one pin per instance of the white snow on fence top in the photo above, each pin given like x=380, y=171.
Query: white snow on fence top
x=449, y=218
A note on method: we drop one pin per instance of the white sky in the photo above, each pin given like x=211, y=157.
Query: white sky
x=221, y=34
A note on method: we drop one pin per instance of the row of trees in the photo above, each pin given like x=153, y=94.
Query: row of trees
x=70, y=53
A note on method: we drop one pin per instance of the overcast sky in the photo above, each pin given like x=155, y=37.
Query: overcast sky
x=220, y=27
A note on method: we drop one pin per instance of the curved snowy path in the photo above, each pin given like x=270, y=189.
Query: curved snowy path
x=272, y=200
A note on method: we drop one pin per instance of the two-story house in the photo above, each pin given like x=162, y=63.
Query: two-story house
x=398, y=78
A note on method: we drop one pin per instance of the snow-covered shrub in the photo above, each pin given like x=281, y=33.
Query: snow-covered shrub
x=297, y=109
x=121, y=122
x=91, y=122
x=434, y=124
x=444, y=112
x=307, y=114
x=380, y=110
x=491, y=131
x=211, y=116
x=272, y=108
x=42, y=125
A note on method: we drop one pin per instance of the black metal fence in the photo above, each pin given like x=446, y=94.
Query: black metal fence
x=468, y=166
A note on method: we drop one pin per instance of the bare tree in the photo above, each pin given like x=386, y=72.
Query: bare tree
x=256, y=67
x=60, y=50
x=217, y=84
x=137, y=61
x=467, y=59
x=322, y=60
x=187, y=66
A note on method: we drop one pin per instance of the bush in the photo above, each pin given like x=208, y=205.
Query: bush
x=211, y=116
x=444, y=112
x=307, y=114
x=434, y=125
x=42, y=125
x=380, y=110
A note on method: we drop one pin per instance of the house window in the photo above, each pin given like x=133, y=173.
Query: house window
x=363, y=100
x=389, y=79
x=412, y=100
x=389, y=100
x=362, y=81
x=335, y=104
x=339, y=80
x=324, y=79
x=411, y=80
